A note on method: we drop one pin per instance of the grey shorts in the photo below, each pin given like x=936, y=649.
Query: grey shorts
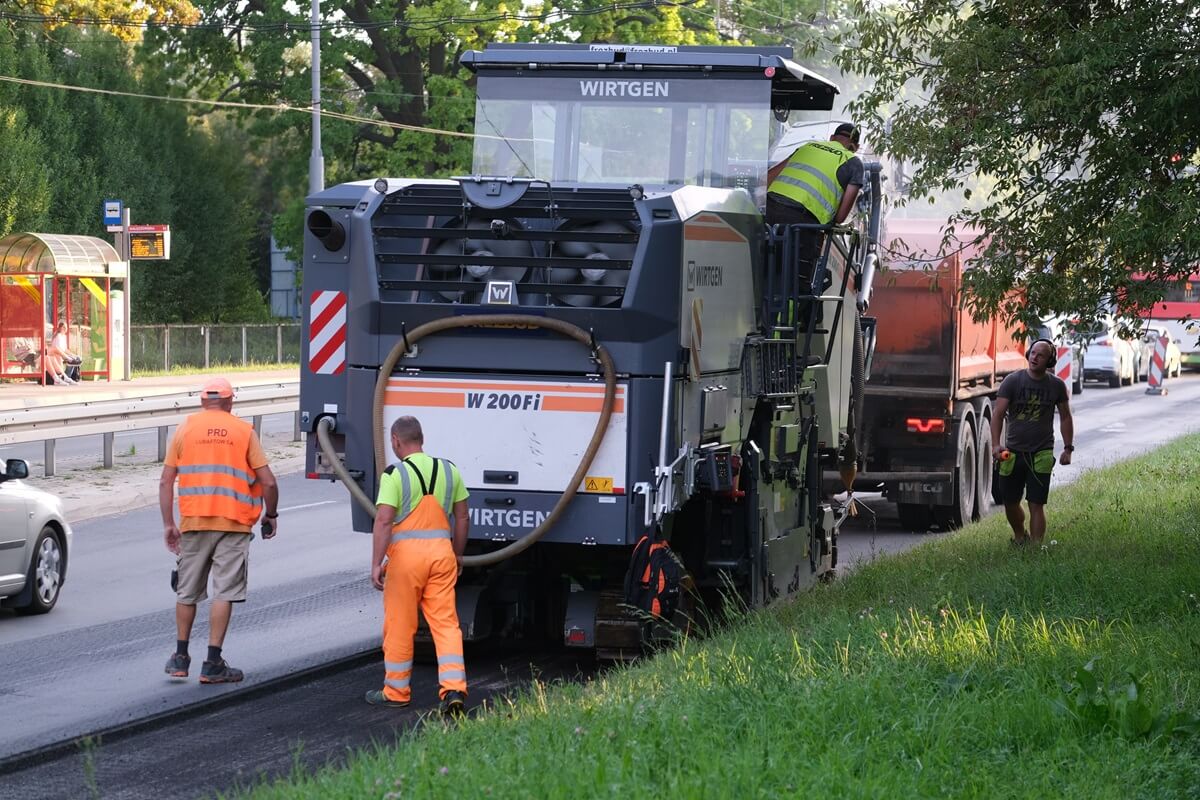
x=224, y=555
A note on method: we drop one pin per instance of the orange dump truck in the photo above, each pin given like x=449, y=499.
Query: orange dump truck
x=926, y=436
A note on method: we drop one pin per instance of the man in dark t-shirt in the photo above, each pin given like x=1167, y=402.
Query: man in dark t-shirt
x=1028, y=399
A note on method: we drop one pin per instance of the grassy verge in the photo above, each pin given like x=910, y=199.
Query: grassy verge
x=960, y=669
x=218, y=369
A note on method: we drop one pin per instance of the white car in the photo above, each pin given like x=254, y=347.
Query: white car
x=1110, y=357
x=34, y=542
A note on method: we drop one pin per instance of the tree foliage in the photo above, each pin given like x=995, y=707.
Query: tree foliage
x=62, y=153
x=1083, y=116
x=121, y=18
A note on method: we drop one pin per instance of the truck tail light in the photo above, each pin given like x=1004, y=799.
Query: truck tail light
x=918, y=425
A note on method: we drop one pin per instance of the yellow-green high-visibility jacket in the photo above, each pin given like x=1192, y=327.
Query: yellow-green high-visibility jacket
x=810, y=178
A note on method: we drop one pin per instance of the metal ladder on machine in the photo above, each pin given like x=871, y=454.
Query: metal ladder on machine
x=796, y=315
x=792, y=311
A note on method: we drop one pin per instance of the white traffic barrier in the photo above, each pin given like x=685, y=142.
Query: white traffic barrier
x=1158, y=367
x=1064, y=366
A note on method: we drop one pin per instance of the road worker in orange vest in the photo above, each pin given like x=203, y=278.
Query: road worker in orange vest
x=224, y=482
x=421, y=528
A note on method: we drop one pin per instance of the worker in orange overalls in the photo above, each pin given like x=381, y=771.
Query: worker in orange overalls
x=417, y=499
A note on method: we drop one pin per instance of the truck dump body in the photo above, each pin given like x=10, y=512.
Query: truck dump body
x=934, y=376
x=932, y=343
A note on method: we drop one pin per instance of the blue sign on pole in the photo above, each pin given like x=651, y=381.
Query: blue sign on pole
x=112, y=212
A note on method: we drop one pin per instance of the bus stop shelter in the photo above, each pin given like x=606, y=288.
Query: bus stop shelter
x=46, y=278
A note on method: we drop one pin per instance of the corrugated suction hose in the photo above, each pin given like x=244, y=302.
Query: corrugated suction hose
x=481, y=321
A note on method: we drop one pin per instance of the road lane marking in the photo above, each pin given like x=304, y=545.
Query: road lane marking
x=307, y=505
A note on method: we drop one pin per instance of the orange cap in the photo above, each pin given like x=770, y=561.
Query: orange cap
x=216, y=388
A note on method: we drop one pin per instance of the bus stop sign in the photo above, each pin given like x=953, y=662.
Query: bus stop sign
x=112, y=212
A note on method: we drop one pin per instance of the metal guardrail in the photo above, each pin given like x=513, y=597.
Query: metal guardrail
x=48, y=424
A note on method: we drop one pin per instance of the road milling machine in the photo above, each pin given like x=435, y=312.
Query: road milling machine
x=601, y=331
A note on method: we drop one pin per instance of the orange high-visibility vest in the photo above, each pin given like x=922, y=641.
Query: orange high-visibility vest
x=215, y=477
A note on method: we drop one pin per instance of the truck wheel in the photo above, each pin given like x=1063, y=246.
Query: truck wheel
x=914, y=518
x=959, y=514
x=983, y=473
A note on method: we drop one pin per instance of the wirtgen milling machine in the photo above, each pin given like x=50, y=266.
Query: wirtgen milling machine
x=601, y=331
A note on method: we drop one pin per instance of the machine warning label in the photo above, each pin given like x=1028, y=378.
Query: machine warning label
x=603, y=485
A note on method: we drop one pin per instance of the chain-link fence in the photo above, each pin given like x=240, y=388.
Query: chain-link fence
x=161, y=347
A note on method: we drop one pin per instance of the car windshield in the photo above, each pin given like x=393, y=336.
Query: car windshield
x=624, y=130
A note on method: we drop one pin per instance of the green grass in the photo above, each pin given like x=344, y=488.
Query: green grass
x=962, y=668
x=219, y=369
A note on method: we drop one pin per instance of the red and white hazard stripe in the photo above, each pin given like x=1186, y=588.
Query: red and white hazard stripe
x=1064, y=366
x=1158, y=363
x=327, y=332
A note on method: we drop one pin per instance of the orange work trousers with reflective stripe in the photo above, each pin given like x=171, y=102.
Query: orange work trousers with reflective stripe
x=421, y=573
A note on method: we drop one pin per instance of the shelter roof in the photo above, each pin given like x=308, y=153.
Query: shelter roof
x=58, y=254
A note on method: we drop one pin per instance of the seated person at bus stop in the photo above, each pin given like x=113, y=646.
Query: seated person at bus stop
x=816, y=185
x=24, y=351
x=58, y=347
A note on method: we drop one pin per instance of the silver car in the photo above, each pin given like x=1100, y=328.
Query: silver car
x=34, y=542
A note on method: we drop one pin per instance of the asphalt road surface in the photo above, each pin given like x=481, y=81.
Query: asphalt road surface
x=95, y=663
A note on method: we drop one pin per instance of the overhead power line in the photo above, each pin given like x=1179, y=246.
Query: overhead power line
x=277, y=107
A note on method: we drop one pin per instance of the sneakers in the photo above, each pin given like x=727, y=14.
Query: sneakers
x=376, y=697
x=219, y=672
x=453, y=704
x=178, y=664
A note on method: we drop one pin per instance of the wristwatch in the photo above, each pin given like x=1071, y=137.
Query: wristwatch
x=273, y=516
x=1070, y=448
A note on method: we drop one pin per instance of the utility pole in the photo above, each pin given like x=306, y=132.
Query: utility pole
x=316, y=161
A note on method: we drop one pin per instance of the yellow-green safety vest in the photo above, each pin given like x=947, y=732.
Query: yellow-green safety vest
x=810, y=178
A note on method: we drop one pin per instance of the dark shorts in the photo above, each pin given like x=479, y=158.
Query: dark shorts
x=1029, y=476
x=779, y=213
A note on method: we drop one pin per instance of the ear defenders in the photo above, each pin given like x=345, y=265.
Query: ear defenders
x=1053, y=352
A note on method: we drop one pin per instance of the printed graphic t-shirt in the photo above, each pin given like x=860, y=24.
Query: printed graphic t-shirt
x=1031, y=405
